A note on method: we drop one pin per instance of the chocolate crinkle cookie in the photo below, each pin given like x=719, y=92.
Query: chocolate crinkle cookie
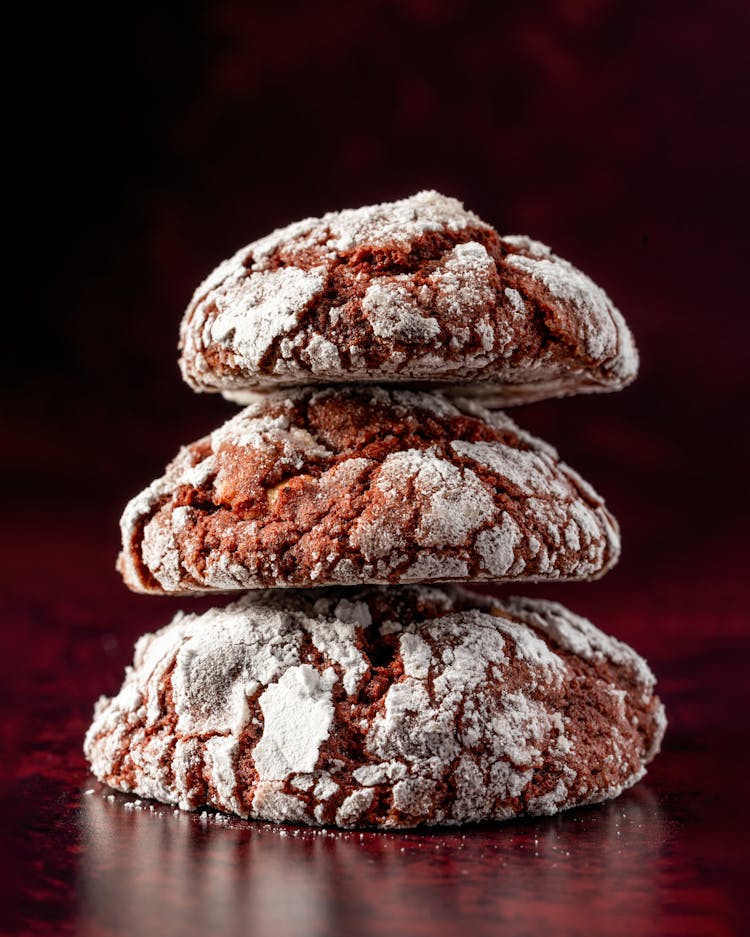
x=360, y=485
x=419, y=290
x=383, y=708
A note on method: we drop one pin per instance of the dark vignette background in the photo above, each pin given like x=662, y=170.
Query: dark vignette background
x=147, y=146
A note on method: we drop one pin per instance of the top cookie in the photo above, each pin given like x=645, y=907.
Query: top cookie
x=418, y=291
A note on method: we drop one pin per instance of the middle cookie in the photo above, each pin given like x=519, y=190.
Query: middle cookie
x=364, y=485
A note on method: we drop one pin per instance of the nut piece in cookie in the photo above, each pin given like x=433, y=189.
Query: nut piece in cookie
x=359, y=485
x=382, y=707
x=418, y=291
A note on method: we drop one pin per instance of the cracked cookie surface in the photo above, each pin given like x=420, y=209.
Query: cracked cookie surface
x=352, y=485
x=388, y=707
x=418, y=291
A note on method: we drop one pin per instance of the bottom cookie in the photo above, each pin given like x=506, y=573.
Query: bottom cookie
x=379, y=707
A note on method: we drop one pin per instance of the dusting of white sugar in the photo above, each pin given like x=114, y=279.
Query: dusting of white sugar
x=457, y=304
x=481, y=702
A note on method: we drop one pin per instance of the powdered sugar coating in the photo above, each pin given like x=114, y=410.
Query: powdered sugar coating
x=463, y=708
x=414, y=290
x=352, y=485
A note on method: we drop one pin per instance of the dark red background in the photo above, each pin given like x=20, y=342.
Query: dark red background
x=149, y=145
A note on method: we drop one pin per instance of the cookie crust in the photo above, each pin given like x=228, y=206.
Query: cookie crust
x=418, y=291
x=353, y=485
x=379, y=707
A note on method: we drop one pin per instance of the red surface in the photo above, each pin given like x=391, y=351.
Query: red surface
x=147, y=149
x=669, y=857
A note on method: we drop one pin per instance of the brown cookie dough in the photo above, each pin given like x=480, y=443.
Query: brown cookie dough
x=358, y=484
x=418, y=291
x=379, y=707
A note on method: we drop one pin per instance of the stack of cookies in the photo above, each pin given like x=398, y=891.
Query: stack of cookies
x=372, y=349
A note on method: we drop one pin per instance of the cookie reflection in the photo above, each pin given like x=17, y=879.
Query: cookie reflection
x=146, y=868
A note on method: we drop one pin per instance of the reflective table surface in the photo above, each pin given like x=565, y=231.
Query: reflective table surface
x=668, y=857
